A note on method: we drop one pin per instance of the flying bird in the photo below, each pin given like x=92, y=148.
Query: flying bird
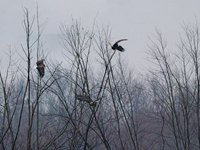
x=40, y=67
x=118, y=47
x=87, y=99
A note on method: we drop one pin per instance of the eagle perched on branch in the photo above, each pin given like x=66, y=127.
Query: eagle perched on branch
x=40, y=67
x=116, y=46
x=87, y=99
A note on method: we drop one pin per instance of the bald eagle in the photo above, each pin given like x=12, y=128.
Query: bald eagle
x=118, y=47
x=87, y=99
x=40, y=67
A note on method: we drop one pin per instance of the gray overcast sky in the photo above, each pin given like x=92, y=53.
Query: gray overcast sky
x=131, y=19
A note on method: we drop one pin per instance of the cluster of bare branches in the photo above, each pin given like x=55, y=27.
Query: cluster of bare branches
x=97, y=101
x=175, y=90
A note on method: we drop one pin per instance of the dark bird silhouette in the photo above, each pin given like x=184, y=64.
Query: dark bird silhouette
x=87, y=99
x=40, y=67
x=118, y=47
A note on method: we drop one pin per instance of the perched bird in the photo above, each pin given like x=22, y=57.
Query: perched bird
x=40, y=67
x=118, y=47
x=87, y=99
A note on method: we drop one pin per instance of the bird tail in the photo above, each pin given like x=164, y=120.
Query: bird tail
x=122, y=50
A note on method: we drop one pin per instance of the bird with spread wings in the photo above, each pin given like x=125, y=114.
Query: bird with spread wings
x=87, y=99
x=118, y=47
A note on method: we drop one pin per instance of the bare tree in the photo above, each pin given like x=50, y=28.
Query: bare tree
x=175, y=90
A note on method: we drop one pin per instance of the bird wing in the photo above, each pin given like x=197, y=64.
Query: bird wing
x=120, y=48
x=41, y=71
x=120, y=41
x=84, y=98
